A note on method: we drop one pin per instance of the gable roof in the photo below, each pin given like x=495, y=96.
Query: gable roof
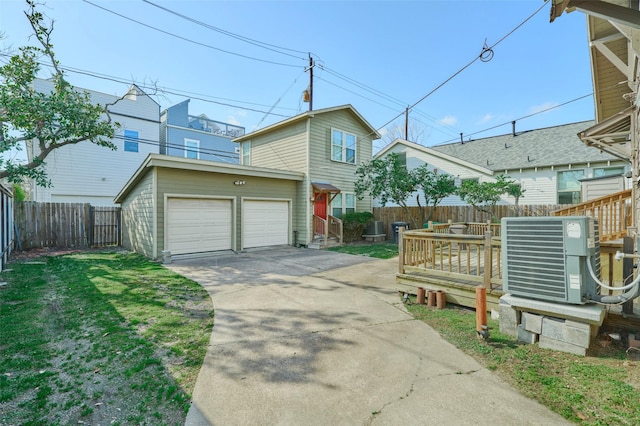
x=431, y=152
x=551, y=146
x=310, y=114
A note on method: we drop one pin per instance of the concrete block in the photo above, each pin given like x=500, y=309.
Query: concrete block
x=495, y=314
x=526, y=336
x=590, y=313
x=634, y=340
x=557, y=345
x=566, y=331
x=508, y=320
x=532, y=322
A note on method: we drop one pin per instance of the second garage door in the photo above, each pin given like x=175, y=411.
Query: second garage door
x=198, y=225
x=265, y=223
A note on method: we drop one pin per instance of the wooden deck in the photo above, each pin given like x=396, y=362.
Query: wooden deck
x=454, y=263
x=435, y=259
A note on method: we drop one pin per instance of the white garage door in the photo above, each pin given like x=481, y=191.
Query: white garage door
x=265, y=223
x=198, y=225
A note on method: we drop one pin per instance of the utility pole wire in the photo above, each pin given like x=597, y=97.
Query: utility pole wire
x=482, y=56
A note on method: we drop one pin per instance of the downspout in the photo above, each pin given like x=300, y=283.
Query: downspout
x=307, y=185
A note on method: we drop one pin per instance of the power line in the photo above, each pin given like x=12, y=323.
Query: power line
x=522, y=118
x=190, y=40
x=258, y=43
x=485, y=55
x=170, y=91
x=210, y=151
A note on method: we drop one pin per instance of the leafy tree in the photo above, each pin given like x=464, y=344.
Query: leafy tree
x=51, y=120
x=435, y=187
x=484, y=196
x=388, y=179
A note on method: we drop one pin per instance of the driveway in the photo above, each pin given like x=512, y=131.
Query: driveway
x=308, y=337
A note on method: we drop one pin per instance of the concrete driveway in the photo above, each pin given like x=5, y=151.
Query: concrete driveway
x=307, y=337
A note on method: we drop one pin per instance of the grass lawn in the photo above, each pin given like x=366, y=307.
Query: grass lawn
x=603, y=389
x=99, y=338
x=382, y=250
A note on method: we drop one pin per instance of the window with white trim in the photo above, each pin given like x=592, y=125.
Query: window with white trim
x=192, y=148
x=608, y=171
x=569, y=186
x=246, y=153
x=343, y=203
x=131, y=140
x=343, y=146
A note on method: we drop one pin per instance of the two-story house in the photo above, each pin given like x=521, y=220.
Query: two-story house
x=197, y=137
x=87, y=173
x=551, y=164
x=295, y=177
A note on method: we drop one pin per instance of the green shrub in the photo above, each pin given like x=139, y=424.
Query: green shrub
x=355, y=224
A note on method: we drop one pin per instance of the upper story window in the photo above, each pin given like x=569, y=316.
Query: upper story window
x=192, y=148
x=569, y=186
x=246, y=154
x=131, y=140
x=608, y=171
x=343, y=146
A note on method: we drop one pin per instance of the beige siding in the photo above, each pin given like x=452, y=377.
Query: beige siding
x=283, y=149
x=137, y=218
x=322, y=168
x=202, y=184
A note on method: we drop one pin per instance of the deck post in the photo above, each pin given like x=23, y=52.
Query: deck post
x=488, y=259
x=400, y=250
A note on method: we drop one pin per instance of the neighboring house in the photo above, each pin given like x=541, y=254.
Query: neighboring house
x=292, y=173
x=87, y=173
x=549, y=163
x=197, y=137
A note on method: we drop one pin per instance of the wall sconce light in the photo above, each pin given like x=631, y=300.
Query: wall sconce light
x=239, y=182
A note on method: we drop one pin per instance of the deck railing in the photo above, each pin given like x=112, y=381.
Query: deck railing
x=470, y=258
x=612, y=211
x=335, y=227
x=468, y=228
x=332, y=226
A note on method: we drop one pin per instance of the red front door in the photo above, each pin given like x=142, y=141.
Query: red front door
x=320, y=206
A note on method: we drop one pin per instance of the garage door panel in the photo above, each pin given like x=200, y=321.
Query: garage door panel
x=199, y=225
x=266, y=223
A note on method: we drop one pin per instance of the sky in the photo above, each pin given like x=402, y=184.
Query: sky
x=246, y=62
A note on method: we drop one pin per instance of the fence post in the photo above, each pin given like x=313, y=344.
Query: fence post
x=401, y=250
x=488, y=259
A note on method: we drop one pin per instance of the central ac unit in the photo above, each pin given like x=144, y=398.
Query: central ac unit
x=545, y=258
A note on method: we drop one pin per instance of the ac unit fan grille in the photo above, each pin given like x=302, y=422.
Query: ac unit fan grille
x=535, y=258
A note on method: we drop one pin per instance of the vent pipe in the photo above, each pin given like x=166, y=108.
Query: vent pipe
x=513, y=128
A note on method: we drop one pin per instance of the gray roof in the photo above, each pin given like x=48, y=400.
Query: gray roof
x=551, y=146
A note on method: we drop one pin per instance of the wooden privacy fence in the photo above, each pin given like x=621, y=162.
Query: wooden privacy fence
x=6, y=225
x=460, y=214
x=68, y=225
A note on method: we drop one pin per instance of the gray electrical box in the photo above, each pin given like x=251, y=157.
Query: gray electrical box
x=545, y=258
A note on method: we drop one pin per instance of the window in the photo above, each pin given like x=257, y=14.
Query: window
x=608, y=171
x=191, y=148
x=569, y=186
x=343, y=146
x=246, y=153
x=343, y=203
x=131, y=140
